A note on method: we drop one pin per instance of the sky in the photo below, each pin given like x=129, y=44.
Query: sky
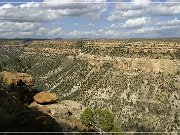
x=114, y=19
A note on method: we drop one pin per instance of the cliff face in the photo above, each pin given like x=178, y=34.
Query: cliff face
x=133, y=65
x=138, y=81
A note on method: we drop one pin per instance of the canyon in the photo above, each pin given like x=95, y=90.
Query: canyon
x=137, y=79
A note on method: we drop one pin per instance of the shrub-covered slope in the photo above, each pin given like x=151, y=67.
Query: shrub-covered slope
x=137, y=80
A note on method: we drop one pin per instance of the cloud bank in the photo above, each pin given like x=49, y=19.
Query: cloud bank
x=90, y=19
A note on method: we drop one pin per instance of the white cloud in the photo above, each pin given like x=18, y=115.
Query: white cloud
x=165, y=9
x=43, y=20
x=100, y=33
x=55, y=32
x=63, y=4
x=113, y=26
x=123, y=10
x=49, y=11
x=118, y=14
x=116, y=26
x=75, y=24
x=139, y=8
x=134, y=5
x=6, y=6
x=168, y=28
x=16, y=29
x=132, y=13
x=27, y=29
x=28, y=18
x=26, y=13
x=75, y=8
x=11, y=26
x=136, y=23
x=82, y=34
x=140, y=3
x=30, y=5
x=169, y=23
x=90, y=24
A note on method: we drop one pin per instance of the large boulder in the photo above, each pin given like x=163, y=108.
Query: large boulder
x=45, y=97
x=10, y=78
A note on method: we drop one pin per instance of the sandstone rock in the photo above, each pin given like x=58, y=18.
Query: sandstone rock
x=59, y=110
x=63, y=109
x=67, y=113
x=34, y=105
x=45, y=97
x=11, y=78
x=74, y=107
x=67, y=108
x=72, y=104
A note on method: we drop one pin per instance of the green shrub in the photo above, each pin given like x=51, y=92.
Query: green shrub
x=100, y=119
x=3, y=65
x=21, y=64
x=104, y=119
x=79, y=44
x=87, y=117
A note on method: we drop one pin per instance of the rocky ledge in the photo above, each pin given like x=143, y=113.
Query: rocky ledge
x=25, y=109
x=66, y=112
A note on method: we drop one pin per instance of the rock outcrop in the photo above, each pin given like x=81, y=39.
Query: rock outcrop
x=45, y=97
x=19, y=79
x=44, y=114
x=19, y=85
x=63, y=109
x=67, y=113
x=16, y=117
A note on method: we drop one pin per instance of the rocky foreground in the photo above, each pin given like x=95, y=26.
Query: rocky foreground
x=25, y=109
